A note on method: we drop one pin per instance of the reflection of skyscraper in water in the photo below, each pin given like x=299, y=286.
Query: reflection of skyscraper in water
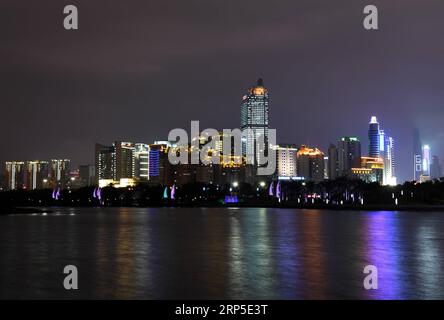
x=254, y=120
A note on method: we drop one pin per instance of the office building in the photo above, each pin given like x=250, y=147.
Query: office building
x=124, y=160
x=141, y=161
x=435, y=168
x=286, y=163
x=417, y=156
x=382, y=146
x=387, y=153
x=370, y=170
x=38, y=175
x=310, y=164
x=87, y=175
x=59, y=172
x=254, y=121
x=349, y=155
x=15, y=175
x=326, y=175
x=160, y=170
x=373, y=136
x=426, y=161
x=333, y=166
x=104, y=162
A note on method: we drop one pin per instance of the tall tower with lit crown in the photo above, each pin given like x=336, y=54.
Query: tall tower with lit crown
x=382, y=146
x=373, y=136
x=254, y=120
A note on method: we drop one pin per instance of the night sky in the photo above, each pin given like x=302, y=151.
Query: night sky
x=136, y=69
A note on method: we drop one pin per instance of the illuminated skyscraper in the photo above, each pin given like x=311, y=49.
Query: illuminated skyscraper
x=59, y=171
x=286, y=161
x=105, y=162
x=310, y=164
x=37, y=174
x=426, y=160
x=124, y=160
x=349, y=155
x=15, y=175
x=122, y=164
x=254, y=120
x=160, y=169
x=417, y=156
x=141, y=161
x=373, y=136
x=382, y=146
x=387, y=153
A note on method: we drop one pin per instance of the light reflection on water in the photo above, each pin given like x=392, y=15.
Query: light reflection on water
x=248, y=253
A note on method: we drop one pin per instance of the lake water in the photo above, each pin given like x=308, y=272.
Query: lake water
x=221, y=253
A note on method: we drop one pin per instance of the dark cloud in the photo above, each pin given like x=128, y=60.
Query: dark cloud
x=136, y=69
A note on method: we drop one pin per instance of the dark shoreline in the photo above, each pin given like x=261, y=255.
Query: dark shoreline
x=21, y=210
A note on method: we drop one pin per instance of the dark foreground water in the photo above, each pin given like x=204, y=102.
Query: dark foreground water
x=247, y=253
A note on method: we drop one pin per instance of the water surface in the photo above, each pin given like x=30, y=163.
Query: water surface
x=220, y=253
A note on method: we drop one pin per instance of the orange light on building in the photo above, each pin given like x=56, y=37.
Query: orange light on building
x=304, y=150
x=259, y=91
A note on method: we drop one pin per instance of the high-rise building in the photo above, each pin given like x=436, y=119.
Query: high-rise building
x=310, y=164
x=286, y=161
x=426, y=160
x=124, y=160
x=374, y=139
x=141, y=161
x=382, y=146
x=105, y=162
x=37, y=174
x=349, y=155
x=387, y=153
x=160, y=169
x=15, y=175
x=417, y=156
x=87, y=175
x=333, y=166
x=326, y=176
x=435, y=168
x=59, y=172
x=254, y=121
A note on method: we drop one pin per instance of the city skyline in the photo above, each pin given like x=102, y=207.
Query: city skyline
x=73, y=96
x=254, y=113
x=125, y=164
